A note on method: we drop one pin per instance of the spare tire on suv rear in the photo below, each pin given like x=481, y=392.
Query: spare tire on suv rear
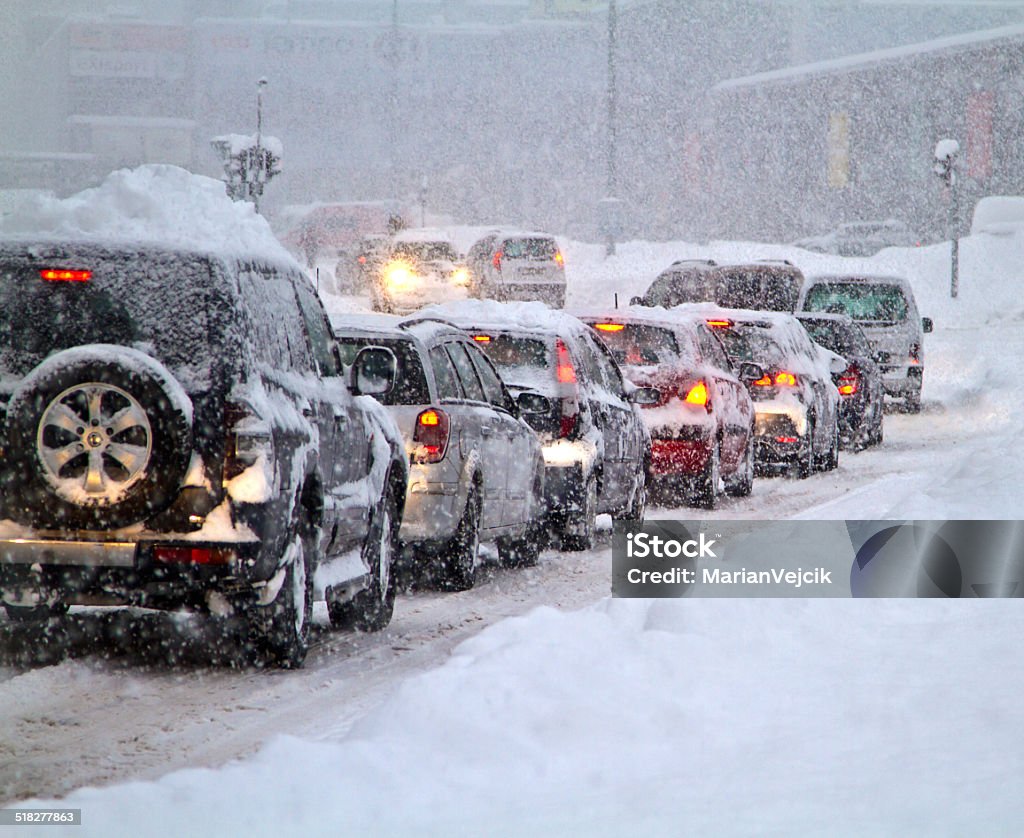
x=99, y=437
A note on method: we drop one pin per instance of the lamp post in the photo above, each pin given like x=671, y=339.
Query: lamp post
x=946, y=152
x=260, y=86
x=612, y=184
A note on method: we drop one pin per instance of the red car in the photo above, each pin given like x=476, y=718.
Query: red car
x=702, y=427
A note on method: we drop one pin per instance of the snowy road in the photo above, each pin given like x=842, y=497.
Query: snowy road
x=138, y=700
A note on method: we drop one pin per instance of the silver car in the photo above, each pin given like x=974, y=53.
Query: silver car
x=885, y=308
x=517, y=266
x=476, y=470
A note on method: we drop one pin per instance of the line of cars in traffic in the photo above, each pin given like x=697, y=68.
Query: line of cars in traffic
x=414, y=267
x=256, y=455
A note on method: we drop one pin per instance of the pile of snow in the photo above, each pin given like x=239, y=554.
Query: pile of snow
x=661, y=717
x=998, y=215
x=152, y=204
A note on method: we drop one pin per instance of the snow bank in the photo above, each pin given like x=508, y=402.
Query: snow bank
x=157, y=204
x=660, y=717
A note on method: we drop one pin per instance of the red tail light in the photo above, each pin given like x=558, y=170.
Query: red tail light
x=482, y=338
x=764, y=381
x=431, y=436
x=559, y=258
x=194, y=555
x=849, y=381
x=496, y=261
x=719, y=324
x=698, y=395
x=62, y=275
x=362, y=260
x=569, y=420
x=785, y=379
x=566, y=370
x=915, y=353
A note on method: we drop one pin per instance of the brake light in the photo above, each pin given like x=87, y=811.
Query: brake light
x=559, y=258
x=915, y=353
x=785, y=379
x=786, y=440
x=566, y=370
x=609, y=327
x=849, y=382
x=568, y=423
x=62, y=275
x=431, y=436
x=719, y=324
x=496, y=261
x=698, y=394
x=764, y=381
x=362, y=260
x=194, y=555
x=482, y=338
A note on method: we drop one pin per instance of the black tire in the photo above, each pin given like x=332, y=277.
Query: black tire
x=743, y=483
x=523, y=551
x=912, y=403
x=832, y=457
x=456, y=562
x=372, y=608
x=584, y=521
x=281, y=629
x=705, y=489
x=805, y=463
x=99, y=410
x=35, y=614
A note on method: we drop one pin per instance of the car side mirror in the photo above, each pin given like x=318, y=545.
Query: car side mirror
x=749, y=371
x=373, y=371
x=926, y=324
x=636, y=301
x=532, y=403
x=645, y=396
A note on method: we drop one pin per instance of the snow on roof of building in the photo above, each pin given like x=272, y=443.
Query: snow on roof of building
x=152, y=204
x=849, y=63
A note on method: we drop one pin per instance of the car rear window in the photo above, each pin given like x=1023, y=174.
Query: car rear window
x=838, y=337
x=533, y=248
x=410, y=379
x=512, y=351
x=129, y=298
x=672, y=289
x=761, y=290
x=639, y=344
x=425, y=251
x=877, y=302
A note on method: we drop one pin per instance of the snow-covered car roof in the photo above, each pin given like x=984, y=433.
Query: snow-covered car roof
x=650, y=315
x=866, y=279
x=516, y=316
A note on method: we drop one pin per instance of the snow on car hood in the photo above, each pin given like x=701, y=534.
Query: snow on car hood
x=158, y=204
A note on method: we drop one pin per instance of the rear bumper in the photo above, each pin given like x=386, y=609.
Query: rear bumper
x=38, y=569
x=903, y=381
x=779, y=438
x=432, y=511
x=685, y=457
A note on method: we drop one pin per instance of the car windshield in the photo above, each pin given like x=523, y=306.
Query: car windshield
x=878, y=302
x=533, y=248
x=425, y=251
x=410, y=380
x=633, y=344
x=128, y=298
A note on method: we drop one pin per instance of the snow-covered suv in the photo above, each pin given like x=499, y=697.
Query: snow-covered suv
x=175, y=431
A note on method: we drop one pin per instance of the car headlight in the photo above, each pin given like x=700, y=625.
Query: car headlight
x=399, y=276
x=460, y=276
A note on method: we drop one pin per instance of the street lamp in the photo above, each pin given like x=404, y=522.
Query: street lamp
x=610, y=204
x=946, y=152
